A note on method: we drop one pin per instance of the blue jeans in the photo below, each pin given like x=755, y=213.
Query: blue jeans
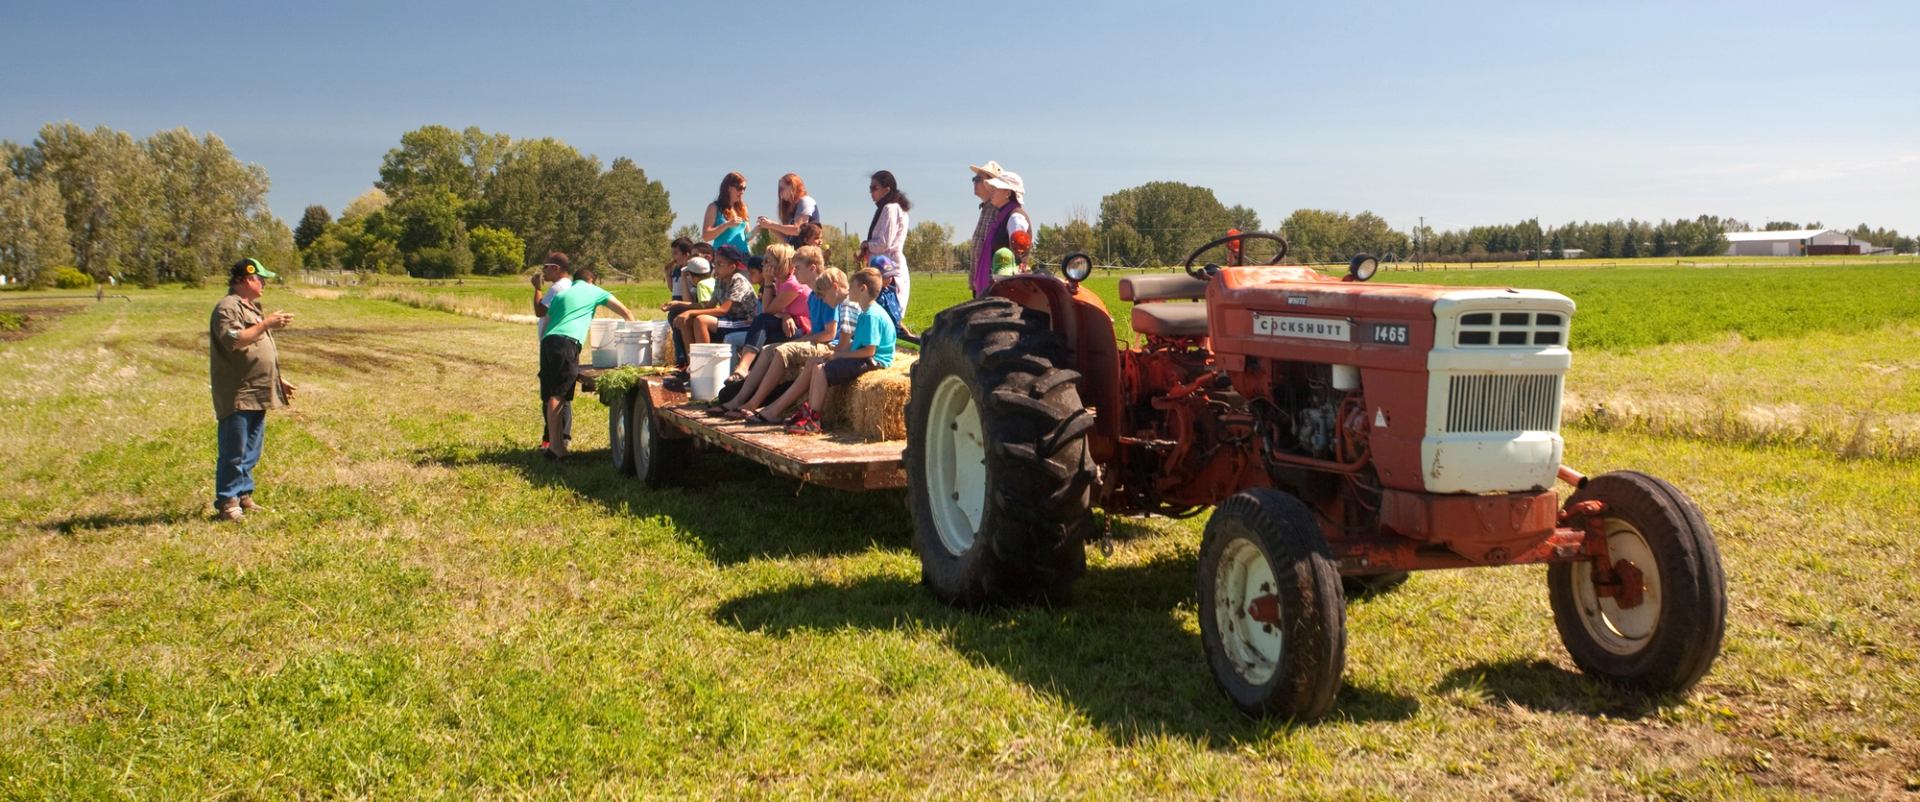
x=241, y=436
x=679, y=343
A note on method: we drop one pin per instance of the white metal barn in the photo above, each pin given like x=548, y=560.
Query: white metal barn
x=1802, y=242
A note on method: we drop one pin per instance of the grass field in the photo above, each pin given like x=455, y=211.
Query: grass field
x=429, y=610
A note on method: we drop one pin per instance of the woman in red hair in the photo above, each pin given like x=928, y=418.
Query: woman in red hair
x=797, y=209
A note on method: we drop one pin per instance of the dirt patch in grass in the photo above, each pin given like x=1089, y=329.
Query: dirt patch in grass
x=21, y=322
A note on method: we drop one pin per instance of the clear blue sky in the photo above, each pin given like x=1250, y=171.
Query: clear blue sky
x=1463, y=112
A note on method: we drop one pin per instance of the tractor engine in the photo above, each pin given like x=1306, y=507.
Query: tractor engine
x=1404, y=408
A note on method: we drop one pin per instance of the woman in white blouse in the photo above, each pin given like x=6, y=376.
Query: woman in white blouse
x=887, y=234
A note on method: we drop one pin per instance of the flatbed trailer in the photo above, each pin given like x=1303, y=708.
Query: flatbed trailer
x=651, y=431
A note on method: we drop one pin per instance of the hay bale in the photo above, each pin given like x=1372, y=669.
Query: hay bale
x=874, y=407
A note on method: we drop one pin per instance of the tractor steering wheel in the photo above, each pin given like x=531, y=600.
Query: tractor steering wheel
x=1209, y=270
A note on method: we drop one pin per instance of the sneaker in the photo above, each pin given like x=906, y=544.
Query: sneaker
x=247, y=505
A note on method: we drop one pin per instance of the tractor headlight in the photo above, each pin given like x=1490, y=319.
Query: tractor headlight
x=1362, y=267
x=1076, y=267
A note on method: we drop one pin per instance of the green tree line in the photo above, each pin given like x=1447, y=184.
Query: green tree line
x=452, y=202
x=169, y=208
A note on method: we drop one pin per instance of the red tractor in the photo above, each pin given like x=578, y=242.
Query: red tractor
x=1343, y=433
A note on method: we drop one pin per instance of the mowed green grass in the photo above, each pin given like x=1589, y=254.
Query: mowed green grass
x=429, y=610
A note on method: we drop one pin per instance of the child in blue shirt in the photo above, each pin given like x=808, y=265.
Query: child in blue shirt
x=870, y=348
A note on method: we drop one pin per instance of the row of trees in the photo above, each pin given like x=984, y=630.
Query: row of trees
x=169, y=208
x=1527, y=239
x=178, y=208
x=454, y=202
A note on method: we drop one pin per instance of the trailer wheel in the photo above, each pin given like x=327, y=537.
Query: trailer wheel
x=1665, y=640
x=657, y=459
x=1272, y=617
x=619, y=444
x=997, y=458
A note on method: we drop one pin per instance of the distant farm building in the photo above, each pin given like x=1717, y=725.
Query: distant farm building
x=1802, y=242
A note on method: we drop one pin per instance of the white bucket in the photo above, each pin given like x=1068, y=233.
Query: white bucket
x=605, y=357
x=599, y=331
x=662, y=335
x=707, y=366
x=629, y=344
x=642, y=347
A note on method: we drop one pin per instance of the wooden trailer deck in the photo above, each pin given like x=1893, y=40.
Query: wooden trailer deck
x=835, y=460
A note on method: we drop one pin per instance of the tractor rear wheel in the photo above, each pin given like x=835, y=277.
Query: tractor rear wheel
x=1272, y=617
x=997, y=460
x=657, y=460
x=619, y=417
x=1661, y=629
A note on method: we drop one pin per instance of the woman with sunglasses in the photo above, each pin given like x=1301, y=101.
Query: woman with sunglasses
x=726, y=221
x=887, y=234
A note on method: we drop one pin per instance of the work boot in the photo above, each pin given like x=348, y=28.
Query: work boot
x=228, y=510
x=247, y=505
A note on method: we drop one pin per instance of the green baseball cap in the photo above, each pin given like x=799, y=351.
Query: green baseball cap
x=250, y=267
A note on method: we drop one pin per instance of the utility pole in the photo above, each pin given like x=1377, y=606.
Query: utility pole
x=1420, y=245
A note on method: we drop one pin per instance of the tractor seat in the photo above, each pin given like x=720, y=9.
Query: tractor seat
x=1170, y=319
x=1173, y=286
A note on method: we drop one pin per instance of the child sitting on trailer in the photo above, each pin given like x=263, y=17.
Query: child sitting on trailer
x=783, y=308
x=781, y=364
x=870, y=348
x=733, y=304
x=771, y=368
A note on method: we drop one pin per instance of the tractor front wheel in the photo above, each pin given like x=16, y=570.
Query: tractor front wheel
x=997, y=458
x=1657, y=624
x=1272, y=617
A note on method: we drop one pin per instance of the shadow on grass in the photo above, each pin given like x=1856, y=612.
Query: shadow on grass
x=1543, y=686
x=733, y=507
x=85, y=523
x=1125, y=653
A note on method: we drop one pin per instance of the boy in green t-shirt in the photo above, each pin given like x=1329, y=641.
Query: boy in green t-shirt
x=569, y=316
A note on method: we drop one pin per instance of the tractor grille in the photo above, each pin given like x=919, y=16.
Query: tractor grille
x=1527, y=403
x=1511, y=328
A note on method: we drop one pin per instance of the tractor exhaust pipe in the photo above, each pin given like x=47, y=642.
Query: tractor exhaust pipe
x=1573, y=477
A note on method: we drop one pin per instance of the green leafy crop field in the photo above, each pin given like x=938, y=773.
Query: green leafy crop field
x=430, y=610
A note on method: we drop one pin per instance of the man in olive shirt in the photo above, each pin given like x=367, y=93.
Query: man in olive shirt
x=246, y=383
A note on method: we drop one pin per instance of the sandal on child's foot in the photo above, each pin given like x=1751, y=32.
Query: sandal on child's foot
x=761, y=419
x=737, y=414
x=804, y=426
